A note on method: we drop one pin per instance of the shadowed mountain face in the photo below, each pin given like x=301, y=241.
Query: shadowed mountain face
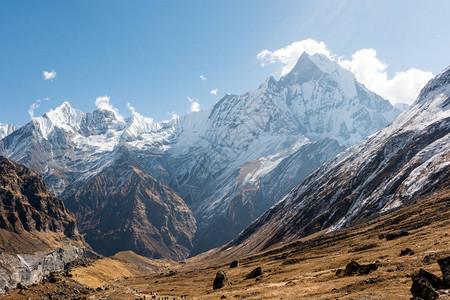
x=407, y=159
x=228, y=163
x=27, y=205
x=124, y=208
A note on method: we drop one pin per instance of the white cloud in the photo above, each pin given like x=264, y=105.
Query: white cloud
x=49, y=75
x=203, y=78
x=138, y=115
x=213, y=92
x=35, y=106
x=103, y=103
x=404, y=87
x=195, y=105
x=289, y=55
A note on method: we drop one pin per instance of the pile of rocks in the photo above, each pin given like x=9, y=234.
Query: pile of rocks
x=428, y=286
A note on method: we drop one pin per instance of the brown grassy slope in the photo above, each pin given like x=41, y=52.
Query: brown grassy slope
x=306, y=269
x=122, y=264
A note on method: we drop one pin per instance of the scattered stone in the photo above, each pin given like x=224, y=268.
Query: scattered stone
x=353, y=268
x=220, y=281
x=444, y=264
x=255, y=273
x=395, y=235
x=234, y=264
x=171, y=273
x=406, y=251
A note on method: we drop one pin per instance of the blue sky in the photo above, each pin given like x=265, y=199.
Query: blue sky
x=151, y=53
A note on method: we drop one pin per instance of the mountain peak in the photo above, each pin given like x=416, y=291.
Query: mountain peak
x=65, y=116
x=437, y=85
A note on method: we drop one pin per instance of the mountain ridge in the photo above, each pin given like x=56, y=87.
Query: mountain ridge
x=219, y=159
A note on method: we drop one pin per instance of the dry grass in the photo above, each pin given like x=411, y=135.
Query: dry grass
x=305, y=269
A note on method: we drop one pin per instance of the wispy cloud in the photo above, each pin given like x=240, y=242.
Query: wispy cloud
x=203, y=78
x=49, y=75
x=195, y=105
x=35, y=105
x=213, y=92
x=103, y=103
x=403, y=87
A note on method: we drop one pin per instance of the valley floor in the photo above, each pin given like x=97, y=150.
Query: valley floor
x=305, y=269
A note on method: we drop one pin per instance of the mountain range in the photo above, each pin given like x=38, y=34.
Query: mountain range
x=397, y=166
x=183, y=186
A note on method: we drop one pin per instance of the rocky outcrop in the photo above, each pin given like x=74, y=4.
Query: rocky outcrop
x=29, y=269
x=38, y=235
x=26, y=204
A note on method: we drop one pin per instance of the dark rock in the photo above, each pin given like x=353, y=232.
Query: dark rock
x=422, y=289
x=255, y=273
x=221, y=280
x=435, y=281
x=234, y=264
x=444, y=264
x=223, y=297
x=20, y=286
x=395, y=235
x=53, y=278
x=381, y=236
x=353, y=268
x=406, y=251
x=366, y=269
x=338, y=272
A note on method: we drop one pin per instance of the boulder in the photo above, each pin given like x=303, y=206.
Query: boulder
x=422, y=289
x=221, y=280
x=255, y=273
x=435, y=281
x=234, y=264
x=444, y=264
x=406, y=251
x=353, y=268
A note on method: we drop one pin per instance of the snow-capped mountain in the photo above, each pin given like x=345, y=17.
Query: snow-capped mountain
x=6, y=129
x=247, y=136
x=396, y=166
x=228, y=163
